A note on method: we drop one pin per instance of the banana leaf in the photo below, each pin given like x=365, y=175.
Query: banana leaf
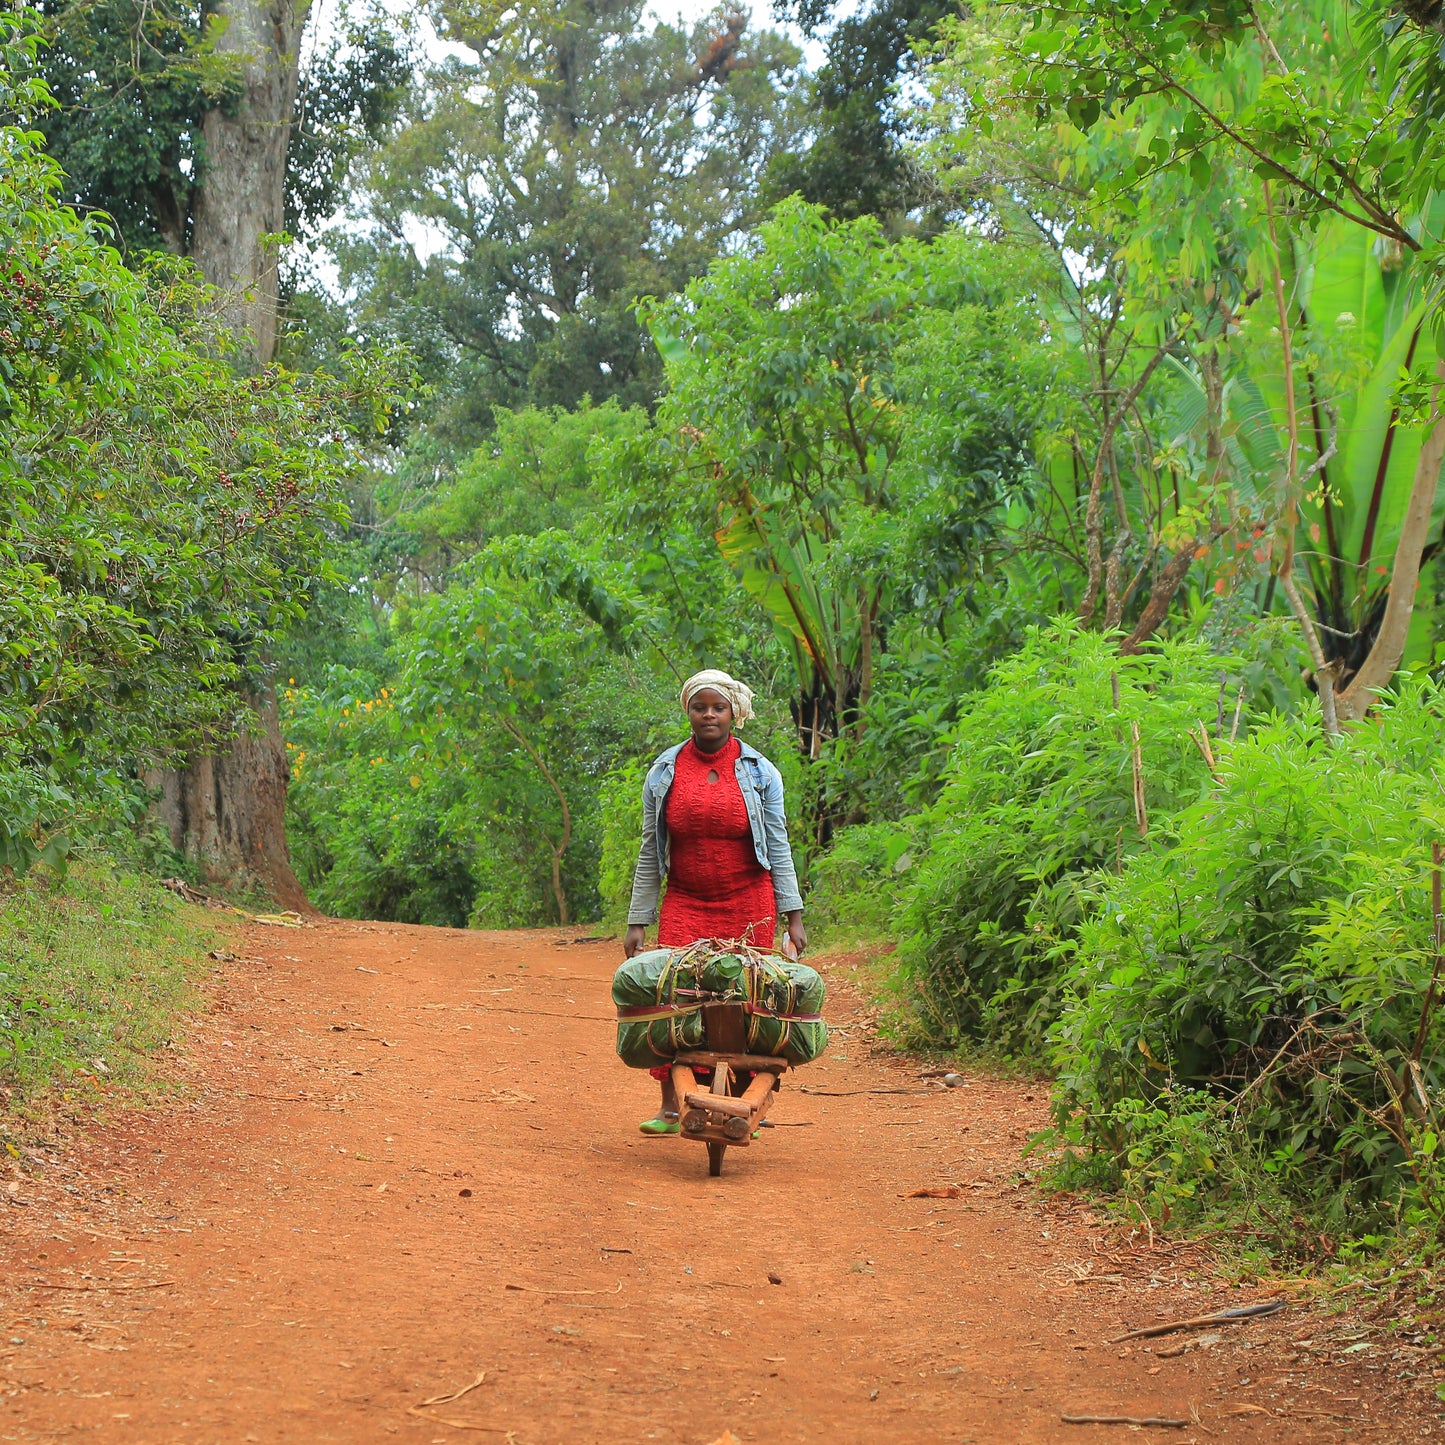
x=787, y=577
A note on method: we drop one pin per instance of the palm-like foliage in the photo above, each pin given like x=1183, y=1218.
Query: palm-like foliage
x=1365, y=335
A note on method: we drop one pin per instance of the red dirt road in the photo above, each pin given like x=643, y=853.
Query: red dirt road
x=408, y=1157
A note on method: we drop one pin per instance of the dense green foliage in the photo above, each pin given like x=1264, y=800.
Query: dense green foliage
x=1053, y=440
x=161, y=515
x=580, y=563
x=579, y=162
x=1057, y=768
x=1276, y=951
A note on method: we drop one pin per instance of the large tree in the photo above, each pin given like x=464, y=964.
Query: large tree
x=160, y=510
x=241, y=206
x=138, y=82
x=177, y=119
x=580, y=161
x=227, y=811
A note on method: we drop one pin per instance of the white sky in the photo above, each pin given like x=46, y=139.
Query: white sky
x=324, y=15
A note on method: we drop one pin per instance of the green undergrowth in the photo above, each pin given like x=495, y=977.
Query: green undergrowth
x=95, y=968
x=1215, y=935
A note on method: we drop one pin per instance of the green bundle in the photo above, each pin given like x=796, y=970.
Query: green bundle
x=660, y=994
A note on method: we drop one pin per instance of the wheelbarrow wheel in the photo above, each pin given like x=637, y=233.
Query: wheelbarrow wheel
x=715, y=1154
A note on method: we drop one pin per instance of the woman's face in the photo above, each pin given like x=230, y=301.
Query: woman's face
x=711, y=716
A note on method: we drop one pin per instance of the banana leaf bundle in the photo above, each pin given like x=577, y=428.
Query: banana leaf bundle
x=660, y=996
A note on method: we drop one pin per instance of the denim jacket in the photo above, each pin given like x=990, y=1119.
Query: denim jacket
x=762, y=789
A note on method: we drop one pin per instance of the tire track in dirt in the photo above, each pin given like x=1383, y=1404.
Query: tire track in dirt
x=408, y=1156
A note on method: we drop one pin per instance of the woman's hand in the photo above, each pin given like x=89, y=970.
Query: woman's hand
x=797, y=931
x=633, y=939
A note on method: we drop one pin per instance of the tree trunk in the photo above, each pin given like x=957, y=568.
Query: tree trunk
x=227, y=812
x=1384, y=657
x=242, y=199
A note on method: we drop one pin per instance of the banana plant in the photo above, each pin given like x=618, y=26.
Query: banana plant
x=1364, y=296
x=818, y=623
x=1363, y=348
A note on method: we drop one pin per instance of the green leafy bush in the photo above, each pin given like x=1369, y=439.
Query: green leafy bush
x=619, y=815
x=1039, y=794
x=377, y=826
x=857, y=884
x=1277, y=956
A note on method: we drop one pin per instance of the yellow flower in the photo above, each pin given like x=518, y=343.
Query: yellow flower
x=414, y=781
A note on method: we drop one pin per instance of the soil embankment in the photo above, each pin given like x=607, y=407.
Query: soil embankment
x=409, y=1159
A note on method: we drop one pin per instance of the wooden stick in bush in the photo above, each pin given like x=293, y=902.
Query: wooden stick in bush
x=1437, y=855
x=1140, y=812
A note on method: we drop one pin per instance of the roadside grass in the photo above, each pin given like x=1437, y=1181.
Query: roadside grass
x=95, y=970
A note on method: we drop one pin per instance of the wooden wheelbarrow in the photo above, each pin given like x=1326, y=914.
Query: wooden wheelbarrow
x=733, y=1108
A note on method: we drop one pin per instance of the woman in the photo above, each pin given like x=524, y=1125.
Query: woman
x=713, y=825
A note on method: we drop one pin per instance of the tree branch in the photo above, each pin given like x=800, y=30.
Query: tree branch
x=1168, y=582
x=1376, y=220
x=1093, y=516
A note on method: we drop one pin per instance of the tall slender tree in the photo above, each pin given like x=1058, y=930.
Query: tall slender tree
x=226, y=811
x=241, y=208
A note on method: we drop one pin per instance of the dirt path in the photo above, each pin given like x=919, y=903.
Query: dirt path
x=410, y=1157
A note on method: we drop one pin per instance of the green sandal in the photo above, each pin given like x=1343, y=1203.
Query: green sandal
x=661, y=1124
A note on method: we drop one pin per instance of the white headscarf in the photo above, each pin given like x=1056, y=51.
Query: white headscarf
x=739, y=694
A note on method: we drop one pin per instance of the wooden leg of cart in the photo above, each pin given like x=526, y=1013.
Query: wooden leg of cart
x=684, y=1082
x=732, y=1109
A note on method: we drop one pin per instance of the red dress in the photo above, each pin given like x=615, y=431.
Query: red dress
x=716, y=888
